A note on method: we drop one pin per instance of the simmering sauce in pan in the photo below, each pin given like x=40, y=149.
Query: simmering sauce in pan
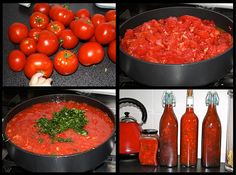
x=176, y=40
x=23, y=131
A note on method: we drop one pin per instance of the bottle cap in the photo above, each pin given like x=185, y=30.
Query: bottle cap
x=168, y=99
x=212, y=98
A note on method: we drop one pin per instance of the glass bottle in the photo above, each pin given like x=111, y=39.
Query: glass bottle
x=189, y=134
x=148, y=147
x=168, y=132
x=211, y=133
x=229, y=139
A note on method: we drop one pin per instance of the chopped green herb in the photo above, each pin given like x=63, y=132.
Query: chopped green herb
x=40, y=140
x=53, y=154
x=63, y=120
x=64, y=140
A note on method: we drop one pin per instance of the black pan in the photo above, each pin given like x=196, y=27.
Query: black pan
x=194, y=74
x=69, y=163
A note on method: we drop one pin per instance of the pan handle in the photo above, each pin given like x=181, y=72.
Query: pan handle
x=3, y=137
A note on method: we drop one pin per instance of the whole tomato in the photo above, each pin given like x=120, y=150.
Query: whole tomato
x=62, y=14
x=82, y=13
x=110, y=15
x=97, y=19
x=16, y=60
x=93, y=39
x=17, y=32
x=112, y=23
x=66, y=62
x=47, y=43
x=34, y=33
x=39, y=20
x=67, y=39
x=56, y=27
x=38, y=62
x=42, y=7
x=112, y=51
x=90, y=53
x=28, y=46
x=105, y=33
x=82, y=28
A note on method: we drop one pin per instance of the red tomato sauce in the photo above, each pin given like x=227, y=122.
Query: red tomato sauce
x=22, y=132
x=148, y=151
x=176, y=40
x=189, y=138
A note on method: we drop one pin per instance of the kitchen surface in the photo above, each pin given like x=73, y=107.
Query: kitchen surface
x=12, y=97
x=130, y=10
x=132, y=166
x=103, y=74
x=148, y=116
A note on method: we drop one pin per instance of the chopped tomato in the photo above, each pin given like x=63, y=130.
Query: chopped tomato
x=176, y=40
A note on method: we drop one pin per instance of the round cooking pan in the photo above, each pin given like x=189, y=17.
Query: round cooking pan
x=194, y=74
x=80, y=162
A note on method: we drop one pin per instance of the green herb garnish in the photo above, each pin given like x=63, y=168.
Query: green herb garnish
x=53, y=154
x=40, y=140
x=64, y=140
x=63, y=120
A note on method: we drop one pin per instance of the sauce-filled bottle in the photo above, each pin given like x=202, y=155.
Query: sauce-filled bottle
x=211, y=133
x=168, y=132
x=189, y=134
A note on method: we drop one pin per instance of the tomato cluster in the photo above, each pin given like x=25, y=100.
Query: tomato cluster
x=54, y=26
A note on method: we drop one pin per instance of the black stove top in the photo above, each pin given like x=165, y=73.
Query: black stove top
x=13, y=96
x=127, y=11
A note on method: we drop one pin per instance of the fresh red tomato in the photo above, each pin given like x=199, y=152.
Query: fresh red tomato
x=17, y=32
x=62, y=14
x=82, y=28
x=39, y=20
x=93, y=39
x=90, y=53
x=98, y=19
x=48, y=42
x=105, y=33
x=112, y=23
x=67, y=39
x=16, y=60
x=34, y=33
x=112, y=51
x=110, y=15
x=38, y=62
x=42, y=7
x=56, y=27
x=66, y=62
x=82, y=13
x=28, y=46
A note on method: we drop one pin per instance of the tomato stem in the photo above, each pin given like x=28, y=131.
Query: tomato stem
x=67, y=6
x=61, y=41
x=39, y=20
x=67, y=55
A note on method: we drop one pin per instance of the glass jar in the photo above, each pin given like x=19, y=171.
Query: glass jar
x=211, y=133
x=148, y=147
x=229, y=138
x=168, y=128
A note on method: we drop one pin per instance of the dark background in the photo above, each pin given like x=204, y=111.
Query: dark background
x=103, y=74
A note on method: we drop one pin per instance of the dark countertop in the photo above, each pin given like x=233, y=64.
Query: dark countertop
x=103, y=74
x=134, y=166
